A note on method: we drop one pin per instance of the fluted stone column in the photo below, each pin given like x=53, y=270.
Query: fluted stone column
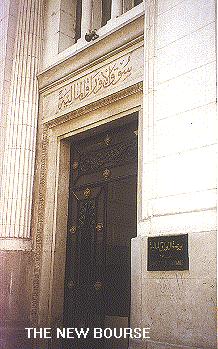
x=116, y=8
x=86, y=21
x=19, y=152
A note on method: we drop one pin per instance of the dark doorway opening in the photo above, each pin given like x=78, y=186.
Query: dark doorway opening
x=101, y=224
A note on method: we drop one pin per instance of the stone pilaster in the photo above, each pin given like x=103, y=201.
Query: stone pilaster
x=116, y=8
x=8, y=20
x=86, y=22
x=19, y=150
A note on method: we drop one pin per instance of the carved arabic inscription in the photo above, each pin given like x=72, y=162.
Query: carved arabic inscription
x=91, y=84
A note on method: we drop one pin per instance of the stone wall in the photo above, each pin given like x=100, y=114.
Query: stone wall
x=179, y=176
x=15, y=298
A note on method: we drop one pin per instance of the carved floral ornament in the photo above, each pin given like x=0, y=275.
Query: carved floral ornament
x=91, y=84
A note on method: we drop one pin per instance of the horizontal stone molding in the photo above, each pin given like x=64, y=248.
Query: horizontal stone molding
x=15, y=244
x=114, y=74
x=136, y=88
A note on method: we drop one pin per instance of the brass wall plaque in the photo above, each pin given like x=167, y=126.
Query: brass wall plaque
x=168, y=253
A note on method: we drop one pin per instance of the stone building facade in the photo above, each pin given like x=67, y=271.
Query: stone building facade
x=77, y=69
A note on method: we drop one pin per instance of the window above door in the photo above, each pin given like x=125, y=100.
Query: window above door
x=67, y=22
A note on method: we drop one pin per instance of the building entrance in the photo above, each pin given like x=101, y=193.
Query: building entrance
x=101, y=224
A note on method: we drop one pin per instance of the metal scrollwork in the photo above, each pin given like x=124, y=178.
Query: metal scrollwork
x=71, y=285
x=75, y=165
x=99, y=227
x=106, y=174
x=119, y=154
x=73, y=229
x=87, y=192
x=107, y=139
x=98, y=285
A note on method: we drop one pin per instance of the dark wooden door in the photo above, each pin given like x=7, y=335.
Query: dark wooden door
x=102, y=221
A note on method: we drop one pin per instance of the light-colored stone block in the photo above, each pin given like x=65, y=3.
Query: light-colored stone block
x=136, y=282
x=180, y=223
x=188, y=53
x=3, y=50
x=166, y=5
x=4, y=9
x=3, y=27
x=186, y=131
x=14, y=6
x=176, y=315
x=186, y=92
x=186, y=172
x=194, y=201
x=68, y=7
x=188, y=16
x=175, y=304
x=52, y=6
x=159, y=345
x=137, y=344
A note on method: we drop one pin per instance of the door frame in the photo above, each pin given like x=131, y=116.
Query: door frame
x=100, y=191
x=54, y=193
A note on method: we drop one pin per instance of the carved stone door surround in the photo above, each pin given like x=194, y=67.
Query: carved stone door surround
x=49, y=223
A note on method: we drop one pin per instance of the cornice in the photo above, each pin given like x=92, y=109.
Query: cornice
x=96, y=105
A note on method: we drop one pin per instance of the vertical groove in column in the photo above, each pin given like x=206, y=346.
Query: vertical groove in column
x=5, y=69
x=19, y=151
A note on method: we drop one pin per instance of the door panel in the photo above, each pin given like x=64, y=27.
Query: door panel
x=84, y=305
x=101, y=223
x=115, y=151
x=121, y=227
x=85, y=256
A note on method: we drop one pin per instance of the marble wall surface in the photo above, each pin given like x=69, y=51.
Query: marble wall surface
x=179, y=175
x=15, y=298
